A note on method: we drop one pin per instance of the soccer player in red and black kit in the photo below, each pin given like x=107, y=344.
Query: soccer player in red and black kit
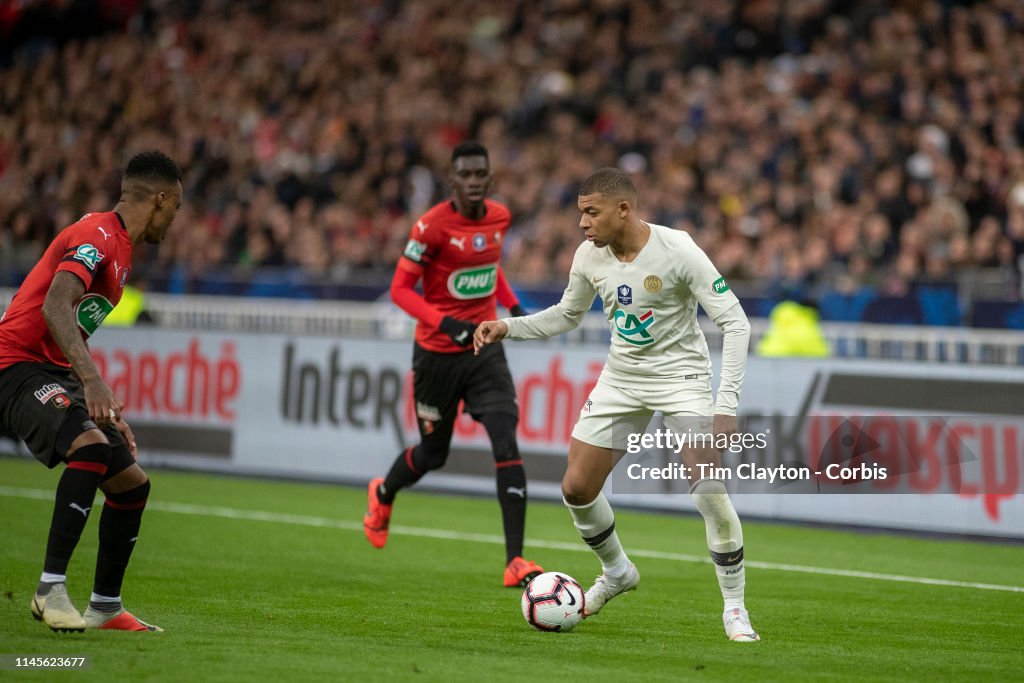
x=52, y=396
x=455, y=248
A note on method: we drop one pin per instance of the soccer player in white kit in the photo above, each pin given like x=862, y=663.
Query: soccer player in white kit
x=650, y=279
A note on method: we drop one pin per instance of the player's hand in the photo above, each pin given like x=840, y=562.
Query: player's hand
x=129, y=437
x=726, y=424
x=517, y=311
x=488, y=333
x=104, y=408
x=461, y=331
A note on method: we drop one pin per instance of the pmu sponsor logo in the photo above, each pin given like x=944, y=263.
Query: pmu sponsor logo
x=48, y=391
x=720, y=286
x=327, y=391
x=473, y=283
x=186, y=383
x=633, y=329
x=91, y=311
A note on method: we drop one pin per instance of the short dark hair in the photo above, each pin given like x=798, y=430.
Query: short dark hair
x=469, y=148
x=152, y=166
x=611, y=182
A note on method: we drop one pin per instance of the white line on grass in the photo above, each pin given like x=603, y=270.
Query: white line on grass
x=326, y=522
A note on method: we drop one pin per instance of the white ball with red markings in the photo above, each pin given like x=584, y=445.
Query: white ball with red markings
x=553, y=601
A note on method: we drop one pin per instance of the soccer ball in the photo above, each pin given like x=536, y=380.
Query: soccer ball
x=553, y=602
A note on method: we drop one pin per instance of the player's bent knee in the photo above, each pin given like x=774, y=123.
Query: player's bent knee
x=130, y=499
x=121, y=460
x=432, y=459
x=125, y=479
x=92, y=457
x=577, y=491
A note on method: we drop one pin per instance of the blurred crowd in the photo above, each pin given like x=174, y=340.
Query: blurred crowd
x=806, y=144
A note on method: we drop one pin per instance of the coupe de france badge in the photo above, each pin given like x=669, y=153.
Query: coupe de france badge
x=625, y=295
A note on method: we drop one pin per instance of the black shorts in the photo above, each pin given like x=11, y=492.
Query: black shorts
x=44, y=406
x=441, y=380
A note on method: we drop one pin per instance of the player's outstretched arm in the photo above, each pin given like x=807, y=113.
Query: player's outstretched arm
x=488, y=332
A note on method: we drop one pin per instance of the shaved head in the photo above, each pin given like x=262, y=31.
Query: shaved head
x=613, y=183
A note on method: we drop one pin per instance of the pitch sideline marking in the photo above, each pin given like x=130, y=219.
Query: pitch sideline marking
x=442, y=534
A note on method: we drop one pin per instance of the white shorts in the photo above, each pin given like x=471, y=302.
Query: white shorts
x=610, y=414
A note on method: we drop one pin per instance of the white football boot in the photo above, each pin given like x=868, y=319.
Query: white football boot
x=737, y=626
x=607, y=587
x=56, y=611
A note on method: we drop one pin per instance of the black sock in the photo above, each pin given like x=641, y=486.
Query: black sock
x=119, y=530
x=511, y=481
x=404, y=472
x=510, y=478
x=75, y=493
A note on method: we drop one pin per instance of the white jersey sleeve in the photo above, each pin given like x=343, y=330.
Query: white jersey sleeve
x=566, y=315
x=722, y=306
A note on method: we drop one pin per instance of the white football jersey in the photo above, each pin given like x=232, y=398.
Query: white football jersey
x=650, y=303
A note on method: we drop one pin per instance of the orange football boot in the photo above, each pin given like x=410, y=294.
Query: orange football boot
x=520, y=572
x=119, y=621
x=377, y=517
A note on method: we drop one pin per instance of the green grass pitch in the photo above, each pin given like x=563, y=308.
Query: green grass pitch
x=261, y=580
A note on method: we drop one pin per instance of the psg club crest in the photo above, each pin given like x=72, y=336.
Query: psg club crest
x=625, y=293
x=479, y=242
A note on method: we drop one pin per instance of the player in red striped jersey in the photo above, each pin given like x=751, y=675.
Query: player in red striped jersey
x=455, y=248
x=52, y=396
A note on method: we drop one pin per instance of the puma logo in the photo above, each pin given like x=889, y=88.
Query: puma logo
x=105, y=235
x=462, y=338
x=84, y=511
x=422, y=226
x=459, y=242
x=133, y=539
x=521, y=492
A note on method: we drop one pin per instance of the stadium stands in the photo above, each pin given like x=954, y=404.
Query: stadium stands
x=866, y=155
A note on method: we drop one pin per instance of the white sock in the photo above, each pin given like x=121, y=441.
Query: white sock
x=725, y=538
x=596, y=523
x=53, y=578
